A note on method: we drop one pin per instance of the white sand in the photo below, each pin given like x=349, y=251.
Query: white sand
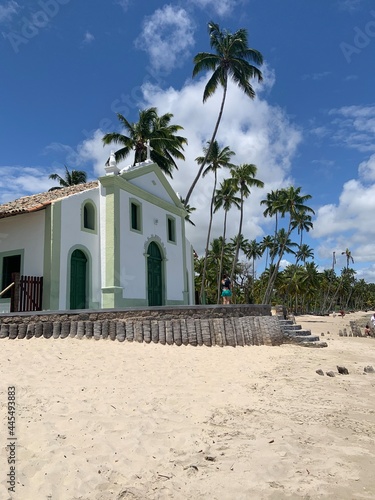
x=108, y=420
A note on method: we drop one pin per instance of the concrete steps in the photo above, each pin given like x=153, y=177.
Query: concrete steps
x=295, y=334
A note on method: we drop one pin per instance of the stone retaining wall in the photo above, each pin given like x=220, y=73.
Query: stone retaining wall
x=185, y=325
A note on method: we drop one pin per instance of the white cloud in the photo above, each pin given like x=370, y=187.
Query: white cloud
x=167, y=36
x=88, y=38
x=93, y=152
x=89, y=155
x=349, y=224
x=366, y=169
x=258, y=132
x=19, y=181
x=8, y=10
x=220, y=7
x=124, y=4
x=354, y=127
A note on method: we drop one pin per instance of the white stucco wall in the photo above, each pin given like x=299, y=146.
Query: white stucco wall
x=134, y=246
x=102, y=219
x=73, y=237
x=25, y=232
x=190, y=271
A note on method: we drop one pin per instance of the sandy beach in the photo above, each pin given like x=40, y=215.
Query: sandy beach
x=102, y=420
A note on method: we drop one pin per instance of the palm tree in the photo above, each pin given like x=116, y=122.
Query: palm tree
x=152, y=129
x=189, y=210
x=230, y=60
x=254, y=250
x=216, y=251
x=243, y=243
x=303, y=253
x=274, y=204
x=283, y=244
x=348, y=255
x=243, y=177
x=293, y=203
x=266, y=246
x=71, y=178
x=302, y=221
x=225, y=198
x=216, y=159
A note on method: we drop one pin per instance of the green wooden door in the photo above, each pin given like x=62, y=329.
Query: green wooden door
x=154, y=276
x=78, y=280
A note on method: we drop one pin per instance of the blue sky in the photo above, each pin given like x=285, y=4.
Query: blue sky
x=67, y=67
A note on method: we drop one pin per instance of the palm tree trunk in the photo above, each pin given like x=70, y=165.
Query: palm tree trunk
x=271, y=281
x=253, y=283
x=208, y=240
x=274, y=242
x=187, y=198
x=335, y=295
x=221, y=258
x=238, y=241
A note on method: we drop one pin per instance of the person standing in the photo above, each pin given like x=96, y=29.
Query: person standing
x=373, y=320
x=226, y=292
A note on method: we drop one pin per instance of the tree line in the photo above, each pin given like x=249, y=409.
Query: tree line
x=299, y=285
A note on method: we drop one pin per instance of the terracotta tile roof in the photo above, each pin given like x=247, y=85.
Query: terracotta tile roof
x=39, y=201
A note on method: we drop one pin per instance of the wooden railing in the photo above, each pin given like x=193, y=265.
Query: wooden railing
x=6, y=289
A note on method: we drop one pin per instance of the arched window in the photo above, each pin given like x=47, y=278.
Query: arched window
x=89, y=216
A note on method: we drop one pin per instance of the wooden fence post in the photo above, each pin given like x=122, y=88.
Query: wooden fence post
x=15, y=293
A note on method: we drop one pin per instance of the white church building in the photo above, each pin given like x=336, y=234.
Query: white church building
x=112, y=243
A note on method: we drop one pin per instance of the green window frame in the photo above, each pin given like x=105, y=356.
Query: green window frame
x=11, y=262
x=135, y=214
x=171, y=229
x=89, y=219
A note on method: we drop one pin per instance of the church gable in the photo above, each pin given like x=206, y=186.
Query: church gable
x=150, y=179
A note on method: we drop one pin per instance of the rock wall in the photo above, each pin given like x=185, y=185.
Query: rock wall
x=185, y=325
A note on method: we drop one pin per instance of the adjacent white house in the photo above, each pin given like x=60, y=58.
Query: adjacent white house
x=116, y=242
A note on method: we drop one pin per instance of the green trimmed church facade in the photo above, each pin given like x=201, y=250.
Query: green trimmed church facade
x=118, y=242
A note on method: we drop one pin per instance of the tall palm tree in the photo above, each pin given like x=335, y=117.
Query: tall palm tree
x=243, y=177
x=152, y=129
x=302, y=221
x=243, y=242
x=266, y=246
x=254, y=250
x=230, y=60
x=283, y=244
x=293, y=202
x=303, y=253
x=216, y=159
x=349, y=257
x=72, y=178
x=274, y=204
x=189, y=210
x=225, y=198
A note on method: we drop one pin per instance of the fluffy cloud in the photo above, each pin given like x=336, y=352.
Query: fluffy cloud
x=16, y=182
x=366, y=169
x=8, y=10
x=354, y=126
x=220, y=7
x=124, y=4
x=258, y=132
x=167, y=36
x=349, y=224
x=88, y=38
